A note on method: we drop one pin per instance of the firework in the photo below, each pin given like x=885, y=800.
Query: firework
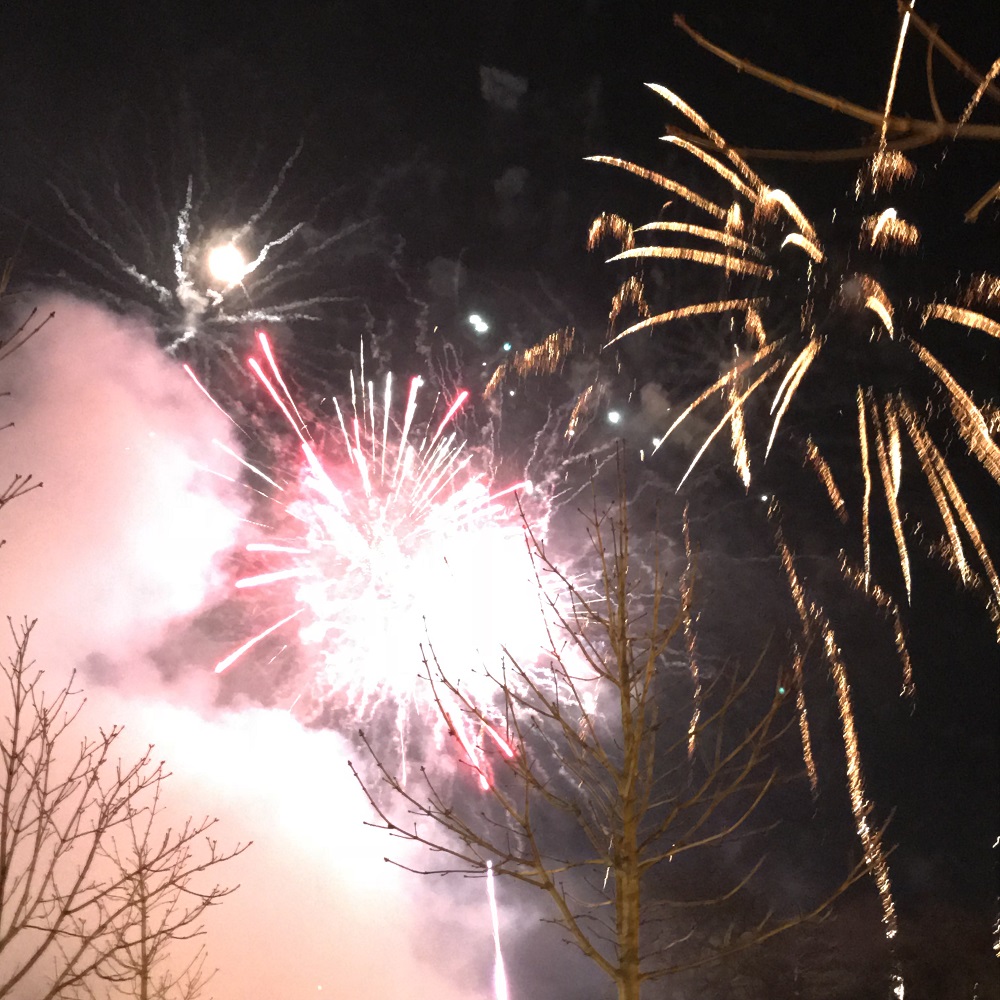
x=201, y=264
x=387, y=540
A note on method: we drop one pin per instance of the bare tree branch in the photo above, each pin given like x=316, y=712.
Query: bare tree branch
x=91, y=888
x=594, y=801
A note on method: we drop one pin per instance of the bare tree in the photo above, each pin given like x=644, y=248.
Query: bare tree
x=162, y=906
x=91, y=888
x=612, y=785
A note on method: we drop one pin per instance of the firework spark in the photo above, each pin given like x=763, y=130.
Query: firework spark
x=388, y=539
x=201, y=266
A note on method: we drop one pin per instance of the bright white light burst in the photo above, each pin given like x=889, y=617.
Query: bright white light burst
x=390, y=541
x=226, y=264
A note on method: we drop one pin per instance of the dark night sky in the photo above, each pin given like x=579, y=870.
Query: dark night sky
x=388, y=98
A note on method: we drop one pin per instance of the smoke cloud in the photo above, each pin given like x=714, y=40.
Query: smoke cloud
x=122, y=541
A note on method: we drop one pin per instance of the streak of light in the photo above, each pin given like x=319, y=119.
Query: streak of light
x=786, y=390
x=890, y=482
x=893, y=77
x=726, y=261
x=228, y=661
x=499, y=973
x=686, y=589
x=866, y=534
x=825, y=474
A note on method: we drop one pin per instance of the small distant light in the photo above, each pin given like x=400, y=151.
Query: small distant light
x=782, y=690
x=657, y=442
x=614, y=417
x=507, y=345
x=478, y=323
x=510, y=392
x=226, y=264
x=764, y=497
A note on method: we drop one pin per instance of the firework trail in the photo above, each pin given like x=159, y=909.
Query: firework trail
x=499, y=974
x=388, y=541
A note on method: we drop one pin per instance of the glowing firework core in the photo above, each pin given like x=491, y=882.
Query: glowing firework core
x=226, y=264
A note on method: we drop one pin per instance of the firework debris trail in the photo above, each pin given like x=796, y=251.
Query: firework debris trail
x=396, y=543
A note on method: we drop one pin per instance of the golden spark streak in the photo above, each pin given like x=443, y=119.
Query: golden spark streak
x=866, y=506
x=740, y=400
x=754, y=327
x=721, y=383
x=991, y=74
x=631, y=292
x=886, y=604
x=689, y=638
x=982, y=289
x=664, y=182
x=734, y=218
x=580, y=409
x=964, y=317
x=925, y=447
x=883, y=170
x=496, y=380
x=891, y=488
x=798, y=597
x=882, y=231
x=804, y=735
x=871, y=840
x=798, y=216
x=800, y=241
x=877, y=300
x=790, y=384
x=884, y=314
x=892, y=79
x=956, y=500
x=712, y=163
x=825, y=475
x=543, y=358
x=741, y=453
x=726, y=261
x=971, y=421
x=685, y=109
x=609, y=224
x=699, y=309
x=895, y=450
x=717, y=235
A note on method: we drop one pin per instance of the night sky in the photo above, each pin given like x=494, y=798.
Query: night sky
x=446, y=142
